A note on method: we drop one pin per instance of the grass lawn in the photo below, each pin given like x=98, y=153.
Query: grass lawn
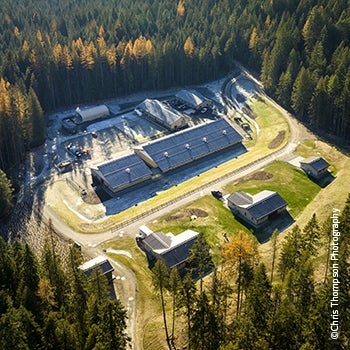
x=292, y=184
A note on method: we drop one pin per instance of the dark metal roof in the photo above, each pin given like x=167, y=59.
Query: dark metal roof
x=267, y=206
x=105, y=267
x=185, y=146
x=178, y=254
x=317, y=163
x=125, y=170
x=157, y=240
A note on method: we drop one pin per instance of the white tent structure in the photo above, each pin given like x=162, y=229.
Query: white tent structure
x=92, y=113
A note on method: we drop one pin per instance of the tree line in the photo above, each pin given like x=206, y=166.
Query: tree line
x=242, y=306
x=72, y=52
x=48, y=304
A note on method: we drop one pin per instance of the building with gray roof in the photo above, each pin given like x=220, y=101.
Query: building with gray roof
x=172, y=250
x=161, y=114
x=256, y=209
x=100, y=263
x=122, y=172
x=315, y=166
x=192, y=99
x=183, y=147
x=92, y=113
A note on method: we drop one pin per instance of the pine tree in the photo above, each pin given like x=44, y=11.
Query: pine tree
x=29, y=283
x=160, y=279
x=187, y=299
x=290, y=252
x=204, y=326
x=200, y=261
x=274, y=241
x=302, y=92
x=311, y=236
x=6, y=192
x=258, y=305
x=38, y=127
x=174, y=288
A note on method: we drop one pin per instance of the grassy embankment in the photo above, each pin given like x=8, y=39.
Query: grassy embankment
x=149, y=321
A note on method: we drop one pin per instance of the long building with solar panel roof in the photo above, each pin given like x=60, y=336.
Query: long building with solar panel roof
x=256, y=209
x=122, y=173
x=186, y=146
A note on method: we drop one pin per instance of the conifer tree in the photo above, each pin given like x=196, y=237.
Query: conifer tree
x=6, y=192
x=160, y=279
x=200, y=261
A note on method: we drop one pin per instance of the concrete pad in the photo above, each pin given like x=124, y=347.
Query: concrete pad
x=296, y=161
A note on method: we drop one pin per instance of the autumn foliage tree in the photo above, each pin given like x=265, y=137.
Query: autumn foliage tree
x=241, y=251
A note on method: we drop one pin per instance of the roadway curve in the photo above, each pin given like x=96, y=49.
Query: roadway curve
x=91, y=242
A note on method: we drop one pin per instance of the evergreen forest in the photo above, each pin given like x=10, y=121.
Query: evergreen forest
x=293, y=301
x=55, y=54
x=48, y=303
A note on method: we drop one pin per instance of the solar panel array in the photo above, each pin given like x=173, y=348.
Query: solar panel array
x=267, y=206
x=185, y=146
x=124, y=171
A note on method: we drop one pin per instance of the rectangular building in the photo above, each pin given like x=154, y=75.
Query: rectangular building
x=186, y=146
x=256, y=209
x=122, y=173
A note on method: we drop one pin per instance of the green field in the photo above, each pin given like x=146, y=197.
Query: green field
x=291, y=183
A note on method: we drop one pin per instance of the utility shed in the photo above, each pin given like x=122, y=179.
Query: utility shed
x=256, y=209
x=314, y=166
x=172, y=250
x=192, y=99
x=93, y=113
x=161, y=114
x=183, y=147
x=122, y=172
x=99, y=263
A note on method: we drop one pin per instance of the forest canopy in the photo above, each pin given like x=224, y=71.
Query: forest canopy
x=59, y=53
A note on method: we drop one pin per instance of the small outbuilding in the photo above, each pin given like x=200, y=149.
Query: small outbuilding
x=99, y=263
x=315, y=167
x=256, y=209
x=172, y=250
x=93, y=113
